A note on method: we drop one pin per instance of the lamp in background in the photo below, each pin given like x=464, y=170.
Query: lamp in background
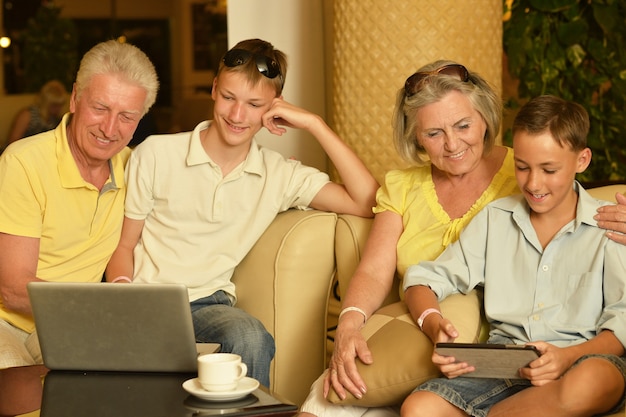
x=5, y=42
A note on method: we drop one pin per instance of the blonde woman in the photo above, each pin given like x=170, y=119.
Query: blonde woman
x=44, y=114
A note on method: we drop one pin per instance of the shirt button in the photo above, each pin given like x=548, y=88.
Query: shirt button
x=536, y=317
x=545, y=268
x=540, y=305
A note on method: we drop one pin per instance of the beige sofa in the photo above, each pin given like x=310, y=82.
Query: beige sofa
x=286, y=281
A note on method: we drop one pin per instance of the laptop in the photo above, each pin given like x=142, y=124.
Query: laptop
x=115, y=327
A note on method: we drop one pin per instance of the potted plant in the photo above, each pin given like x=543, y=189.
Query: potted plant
x=575, y=49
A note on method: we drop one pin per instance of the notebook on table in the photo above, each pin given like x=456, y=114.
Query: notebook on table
x=115, y=327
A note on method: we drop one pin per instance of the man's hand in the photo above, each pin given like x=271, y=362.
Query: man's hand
x=613, y=219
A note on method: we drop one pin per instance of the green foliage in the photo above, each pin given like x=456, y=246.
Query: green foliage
x=576, y=49
x=50, y=49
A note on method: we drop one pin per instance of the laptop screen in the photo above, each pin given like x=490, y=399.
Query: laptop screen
x=114, y=327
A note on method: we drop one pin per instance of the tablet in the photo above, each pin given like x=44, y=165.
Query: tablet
x=490, y=360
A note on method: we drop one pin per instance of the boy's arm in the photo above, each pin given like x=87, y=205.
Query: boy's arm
x=121, y=263
x=424, y=308
x=357, y=194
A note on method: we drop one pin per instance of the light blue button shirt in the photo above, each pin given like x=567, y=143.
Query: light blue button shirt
x=563, y=294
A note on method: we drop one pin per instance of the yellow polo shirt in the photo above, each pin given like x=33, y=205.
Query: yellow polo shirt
x=45, y=197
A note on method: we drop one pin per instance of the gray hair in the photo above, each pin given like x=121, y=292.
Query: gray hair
x=482, y=96
x=113, y=57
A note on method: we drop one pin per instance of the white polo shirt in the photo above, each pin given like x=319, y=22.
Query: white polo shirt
x=198, y=224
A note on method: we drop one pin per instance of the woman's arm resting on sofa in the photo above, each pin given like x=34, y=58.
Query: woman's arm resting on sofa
x=368, y=287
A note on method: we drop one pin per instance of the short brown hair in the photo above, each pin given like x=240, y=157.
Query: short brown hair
x=567, y=122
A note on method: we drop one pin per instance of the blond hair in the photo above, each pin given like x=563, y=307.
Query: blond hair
x=52, y=92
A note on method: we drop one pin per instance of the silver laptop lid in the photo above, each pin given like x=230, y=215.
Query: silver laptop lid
x=114, y=327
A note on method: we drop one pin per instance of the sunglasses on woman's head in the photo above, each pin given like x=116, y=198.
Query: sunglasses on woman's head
x=266, y=65
x=415, y=81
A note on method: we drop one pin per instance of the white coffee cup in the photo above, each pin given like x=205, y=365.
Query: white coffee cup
x=220, y=371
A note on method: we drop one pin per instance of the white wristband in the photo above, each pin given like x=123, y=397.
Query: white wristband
x=426, y=313
x=348, y=309
x=122, y=278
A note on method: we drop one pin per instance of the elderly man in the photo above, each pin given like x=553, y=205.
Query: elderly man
x=63, y=190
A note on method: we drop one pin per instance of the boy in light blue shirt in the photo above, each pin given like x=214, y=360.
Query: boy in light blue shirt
x=551, y=279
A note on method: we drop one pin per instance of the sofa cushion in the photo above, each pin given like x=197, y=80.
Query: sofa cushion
x=402, y=353
x=285, y=282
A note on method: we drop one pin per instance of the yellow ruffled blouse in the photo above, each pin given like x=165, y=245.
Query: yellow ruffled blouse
x=427, y=227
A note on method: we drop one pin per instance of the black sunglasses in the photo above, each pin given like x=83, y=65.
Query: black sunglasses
x=266, y=65
x=415, y=81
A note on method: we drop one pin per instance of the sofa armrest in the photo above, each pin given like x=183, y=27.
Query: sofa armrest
x=607, y=192
x=285, y=281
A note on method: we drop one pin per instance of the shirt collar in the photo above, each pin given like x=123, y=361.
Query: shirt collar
x=198, y=156
x=585, y=208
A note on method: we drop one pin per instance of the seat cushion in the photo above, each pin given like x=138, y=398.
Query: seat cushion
x=402, y=353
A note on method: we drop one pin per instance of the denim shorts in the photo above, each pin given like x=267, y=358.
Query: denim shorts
x=476, y=396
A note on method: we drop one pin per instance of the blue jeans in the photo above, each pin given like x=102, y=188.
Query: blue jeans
x=215, y=320
x=476, y=396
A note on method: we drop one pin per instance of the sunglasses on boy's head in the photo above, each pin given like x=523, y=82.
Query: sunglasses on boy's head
x=415, y=81
x=266, y=65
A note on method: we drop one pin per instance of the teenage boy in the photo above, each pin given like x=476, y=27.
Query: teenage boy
x=551, y=279
x=198, y=201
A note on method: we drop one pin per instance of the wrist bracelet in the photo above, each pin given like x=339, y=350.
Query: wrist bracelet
x=426, y=313
x=122, y=278
x=348, y=309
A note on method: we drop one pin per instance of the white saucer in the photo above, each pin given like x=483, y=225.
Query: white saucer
x=244, y=387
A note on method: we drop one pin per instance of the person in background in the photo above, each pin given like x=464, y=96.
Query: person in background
x=198, y=201
x=552, y=279
x=63, y=190
x=45, y=114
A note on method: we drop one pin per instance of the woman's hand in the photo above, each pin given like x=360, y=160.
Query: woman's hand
x=349, y=345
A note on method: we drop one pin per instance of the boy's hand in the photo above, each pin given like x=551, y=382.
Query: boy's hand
x=449, y=368
x=447, y=333
x=550, y=366
x=282, y=114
